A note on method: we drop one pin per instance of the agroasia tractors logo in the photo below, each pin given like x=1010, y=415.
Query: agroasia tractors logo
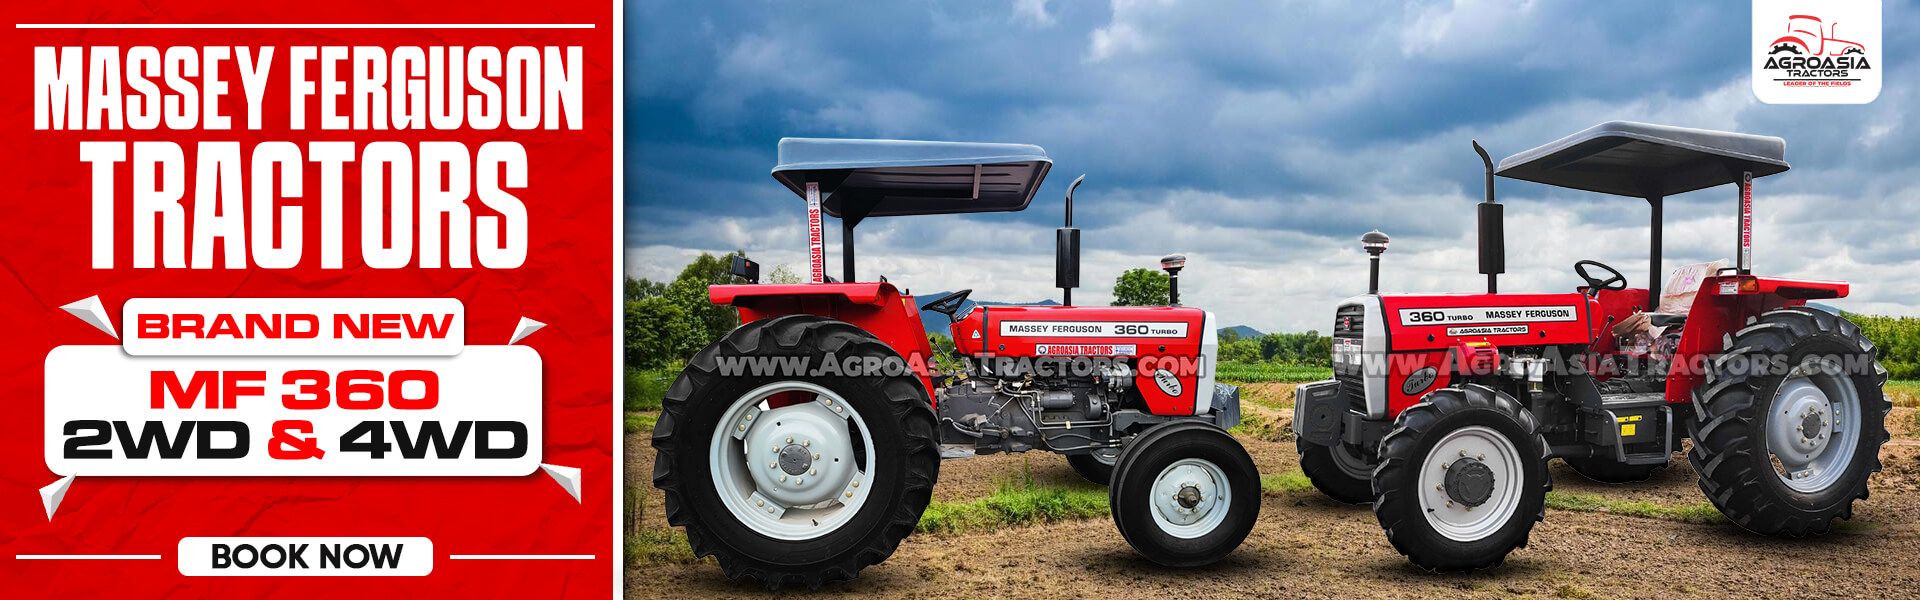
x=1803, y=55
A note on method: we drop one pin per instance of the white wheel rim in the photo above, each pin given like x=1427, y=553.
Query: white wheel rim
x=1456, y=520
x=1813, y=428
x=755, y=451
x=1193, y=477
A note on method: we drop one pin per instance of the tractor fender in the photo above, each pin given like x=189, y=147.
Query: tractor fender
x=1722, y=307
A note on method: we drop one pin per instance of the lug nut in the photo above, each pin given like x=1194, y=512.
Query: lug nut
x=798, y=481
x=813, y=471
x=816, y=456
x=743, y=428
x=783, y=478
x=806, y=443
x=849, y=494
x=759, y=503
x=856, y=484
x=829, y=402
x=789, y=440
x=773, y=465
x=749, y=417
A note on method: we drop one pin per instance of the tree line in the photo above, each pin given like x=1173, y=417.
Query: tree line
x=668, y=321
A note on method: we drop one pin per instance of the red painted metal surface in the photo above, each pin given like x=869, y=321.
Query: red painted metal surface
x=878, y=308
x=1722, y=307
x=1156, y=336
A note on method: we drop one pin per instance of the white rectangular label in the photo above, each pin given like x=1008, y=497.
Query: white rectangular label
x=294, y=326
x=305, y=556
x=1729, y=288
x=1084, y=349
x=108, y=413
x=1092, y=329
x=1486, y=314
x=1487, y=330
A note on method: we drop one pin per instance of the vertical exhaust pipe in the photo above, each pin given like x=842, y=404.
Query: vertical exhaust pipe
x=1172, y=264
x=1493, y=238
x=1066, y=251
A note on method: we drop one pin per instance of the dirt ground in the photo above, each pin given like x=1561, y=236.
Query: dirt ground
x=1307, y=545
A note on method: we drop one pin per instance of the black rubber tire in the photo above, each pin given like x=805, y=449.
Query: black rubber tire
x=1396, y=497
x=1729, y=448
x=1090, y=468
x=897, y=415
x=1323, y=468
x=1606, y=470
x=1152, y=452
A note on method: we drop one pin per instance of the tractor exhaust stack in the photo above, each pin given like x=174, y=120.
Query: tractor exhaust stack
x=1493, y=239
x=1066, y=251
x=1172, y=264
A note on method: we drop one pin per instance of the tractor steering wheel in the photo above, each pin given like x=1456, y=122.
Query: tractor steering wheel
x=949, y=304
x=1615, y=281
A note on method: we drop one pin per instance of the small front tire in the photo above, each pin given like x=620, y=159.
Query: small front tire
x=1462, y=479
x=1095, y=466
x=1185, y=494
x=1339, y=471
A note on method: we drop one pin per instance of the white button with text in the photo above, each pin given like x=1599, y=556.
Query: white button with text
x=306, y=556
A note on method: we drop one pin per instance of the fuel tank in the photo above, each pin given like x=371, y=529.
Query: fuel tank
x=1169, y=349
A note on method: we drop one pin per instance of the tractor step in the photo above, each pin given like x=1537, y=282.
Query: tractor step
x=953, y=451
x=1636, y=429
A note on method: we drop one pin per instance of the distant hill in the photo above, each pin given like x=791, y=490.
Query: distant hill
x=938, y=323
x=1244, y=331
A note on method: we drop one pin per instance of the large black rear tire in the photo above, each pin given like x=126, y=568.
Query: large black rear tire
x=1152, y=478
x=1411, y=460
x=1090, y=466
x=1340, y=472
x=1739, y=407
x=1606, y=470
x=895, y=413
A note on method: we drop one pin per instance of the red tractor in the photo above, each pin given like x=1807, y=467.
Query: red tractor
x=804, y=445
x=1445, y=408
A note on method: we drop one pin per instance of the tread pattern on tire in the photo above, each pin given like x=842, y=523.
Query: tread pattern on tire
x=799, y=335
x=1317, y=462
x=1725, y=436
x=1397, y=505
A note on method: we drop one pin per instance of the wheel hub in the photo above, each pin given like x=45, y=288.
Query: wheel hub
x=1469, y=482
x=795, y=459
x=799, y=455
x=1813, y=427
x=1188, y=497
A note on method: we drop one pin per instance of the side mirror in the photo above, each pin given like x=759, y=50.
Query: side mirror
x=745, y=269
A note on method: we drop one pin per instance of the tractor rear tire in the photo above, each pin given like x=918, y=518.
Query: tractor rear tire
x=1606, y=470
x=1185, y=494
x=1090, y=466
x=1337, y=471
x=1740, y=420
x=1485, y=447
x=888, y=413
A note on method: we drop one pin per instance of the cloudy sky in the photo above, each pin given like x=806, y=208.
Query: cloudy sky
x=1258, y=138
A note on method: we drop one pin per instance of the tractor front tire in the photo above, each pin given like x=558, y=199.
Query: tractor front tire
x=1338, y=471
x=860, y=449
x=1459, y=449
x=1095, y=466
x=1788, y=448
x=1184, y=494
x=1607, y=470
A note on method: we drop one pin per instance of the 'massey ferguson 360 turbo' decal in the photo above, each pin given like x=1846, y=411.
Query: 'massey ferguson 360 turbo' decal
x=1486, y=314
x=1091, y=329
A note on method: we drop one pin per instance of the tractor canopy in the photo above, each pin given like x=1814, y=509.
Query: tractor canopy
x=1647, y=161
x=885, y=178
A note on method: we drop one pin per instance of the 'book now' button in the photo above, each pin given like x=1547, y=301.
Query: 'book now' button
x=306, y=556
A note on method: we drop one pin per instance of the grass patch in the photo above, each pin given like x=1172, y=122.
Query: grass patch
x=1693, y=512
x=641, y=421
x=655, y=546
x=1239, y=372
x=1276, y=395
x=1904, y=393
x=1016, y=502
x=1290, y=482
x=1257, y=426
x=645, y=387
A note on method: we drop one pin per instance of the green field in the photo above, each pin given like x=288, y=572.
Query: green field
x=1262, y=372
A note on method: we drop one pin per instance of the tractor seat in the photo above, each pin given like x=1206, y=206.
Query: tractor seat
x=1665, y=319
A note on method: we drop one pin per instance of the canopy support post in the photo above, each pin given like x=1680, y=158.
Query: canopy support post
x=1653, y=266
